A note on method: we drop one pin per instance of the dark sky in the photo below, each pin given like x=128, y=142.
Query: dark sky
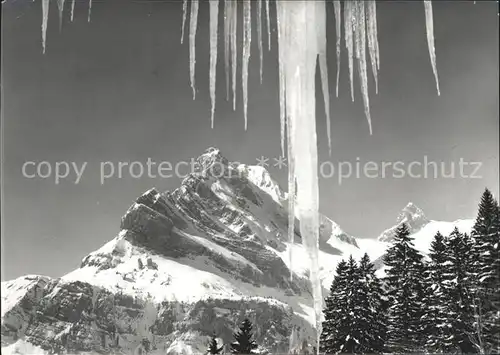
x=117, y=89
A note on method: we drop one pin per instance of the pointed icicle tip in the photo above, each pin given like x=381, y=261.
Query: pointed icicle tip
x=45, y=18
x=429, y=25
x=90, y=10
x=72, y=10
x=184, y=15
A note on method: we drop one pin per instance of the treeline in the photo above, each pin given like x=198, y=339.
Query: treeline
x=448, y=302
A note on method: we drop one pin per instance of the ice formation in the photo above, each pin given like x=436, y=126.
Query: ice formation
x=371, y=23
x=90, y=10
x=338, y=23
x=348, y=21
x=193, y=23
x=45, y=18
x=247, y=40
x=234, y=55
x=321, y=29
x=429, y=25
x=184, y=15
x=259, y=35
x=214, y=17
x=227, y=39
x=72, y=10
x=268, y=21
x=301, y=32
x=60, y=8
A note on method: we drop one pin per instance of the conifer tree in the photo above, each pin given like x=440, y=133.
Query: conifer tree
x=437, y=303
x=213, y=347
x=458, y=303
x=244, y=343
x=486, y=271
x=372, y=308
x=353, y=314
x=335, y=310
x=405, y=291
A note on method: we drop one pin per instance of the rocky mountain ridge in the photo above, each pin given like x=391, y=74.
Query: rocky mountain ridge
x=186, y=263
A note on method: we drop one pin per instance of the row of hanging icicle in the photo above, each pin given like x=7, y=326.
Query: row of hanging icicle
x=301, y=34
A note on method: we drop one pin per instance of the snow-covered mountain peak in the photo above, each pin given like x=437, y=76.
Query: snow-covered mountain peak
x=412, y=216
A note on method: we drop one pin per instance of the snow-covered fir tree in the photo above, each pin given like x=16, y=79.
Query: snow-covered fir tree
x=213, y=346
x=486, y=271
x=436, y=318
x=372, y=307
x=354, y=321
x=244, y=343
x=335, y=311
x=405, y=290
x=459, y=304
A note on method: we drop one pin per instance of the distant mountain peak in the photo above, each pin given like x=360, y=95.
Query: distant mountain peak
x=412, y=216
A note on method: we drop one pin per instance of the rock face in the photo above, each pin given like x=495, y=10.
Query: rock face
x=186, y=263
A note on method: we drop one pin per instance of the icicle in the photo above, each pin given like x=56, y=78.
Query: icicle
x=247, y=39
x=429, y=25
x=321, y=38
x=291, y=193
x=371, y=23
x=193, y=22
x=227, y=41
x=214, y=16
x=360, y=35
x=72, y=10
x=234, y=52
x=268, y=26
x=300, y=26
x=259, y=34
x=45, y=18
x=90, y=10
x=348, y=31
x=281, y=69
x=184, y=14
x=286, y=101
x=60, y=8
x=338, y=23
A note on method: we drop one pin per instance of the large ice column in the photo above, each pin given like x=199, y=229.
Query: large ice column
x=299, y=26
